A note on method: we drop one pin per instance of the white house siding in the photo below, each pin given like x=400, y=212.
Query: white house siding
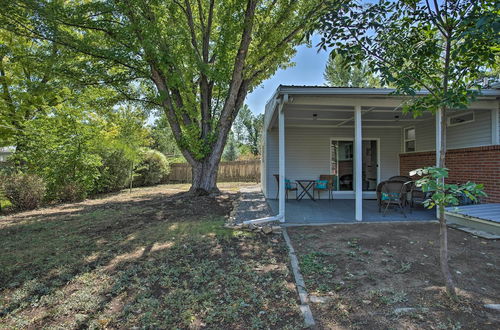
x=475, y=134
x=307, y=152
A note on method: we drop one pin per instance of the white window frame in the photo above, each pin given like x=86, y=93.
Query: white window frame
x=407, y=140
x=448, y=120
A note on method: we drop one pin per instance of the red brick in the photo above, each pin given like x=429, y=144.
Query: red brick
x=479, y=164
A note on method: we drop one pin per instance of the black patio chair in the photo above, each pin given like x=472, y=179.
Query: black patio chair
x=378, y=190
x=416, y=195
x=346, y=181
x=403, y=178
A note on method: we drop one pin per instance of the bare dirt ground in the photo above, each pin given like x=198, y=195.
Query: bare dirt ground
x=386, y=276
x=151, y=259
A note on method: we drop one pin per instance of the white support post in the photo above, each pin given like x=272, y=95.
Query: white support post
x=439, y=136
x=358, y=154
x=281, y=127
x=495, y=139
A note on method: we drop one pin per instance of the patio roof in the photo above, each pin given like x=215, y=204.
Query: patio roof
x=322, y=106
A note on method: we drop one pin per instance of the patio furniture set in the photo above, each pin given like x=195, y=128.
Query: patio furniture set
x=399, y=191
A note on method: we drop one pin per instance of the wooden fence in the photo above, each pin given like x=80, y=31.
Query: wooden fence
x=237, y=171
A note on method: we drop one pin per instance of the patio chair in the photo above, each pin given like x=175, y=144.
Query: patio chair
x=378, y=190
x=326, y=182
x=289, y=186
x=403, y=178
x=394, y=193
x=346, y=181
x=416, y=195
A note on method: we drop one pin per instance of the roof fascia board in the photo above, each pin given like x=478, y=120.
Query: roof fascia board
x=359, y=91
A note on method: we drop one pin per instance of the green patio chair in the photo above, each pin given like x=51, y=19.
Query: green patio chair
x=326, y=182
x=289, y=186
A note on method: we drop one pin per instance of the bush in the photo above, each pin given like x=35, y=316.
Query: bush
x=153, y=169
x=114, y=171
x=24, y=191
x=72, y=192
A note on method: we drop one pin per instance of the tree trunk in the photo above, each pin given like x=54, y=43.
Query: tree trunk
x=443, y=230
x=131, y=177
x=204, y=181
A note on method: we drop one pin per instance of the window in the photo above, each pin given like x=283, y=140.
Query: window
x=460, y=119
x=409, y=139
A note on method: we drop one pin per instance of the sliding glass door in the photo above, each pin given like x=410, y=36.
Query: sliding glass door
x=342, y=164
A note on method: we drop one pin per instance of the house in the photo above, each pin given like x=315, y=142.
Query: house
x=362, y=136
x=5, y=152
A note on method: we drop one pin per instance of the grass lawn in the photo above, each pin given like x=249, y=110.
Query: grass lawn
x=147, y=259
x=365, y=273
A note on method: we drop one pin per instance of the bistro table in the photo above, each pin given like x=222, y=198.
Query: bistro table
x=306, y=186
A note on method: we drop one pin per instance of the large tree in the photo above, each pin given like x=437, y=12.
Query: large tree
x=27, y=84
x=36, y=76
x=441, y=47
x=196, y=60
x=341, y=73
x=247, y=129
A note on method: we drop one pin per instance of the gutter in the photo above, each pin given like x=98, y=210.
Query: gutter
x=281, y=214
x=351, y=91
x=279, y=217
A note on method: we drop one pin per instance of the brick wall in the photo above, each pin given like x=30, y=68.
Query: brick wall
x=479, y=165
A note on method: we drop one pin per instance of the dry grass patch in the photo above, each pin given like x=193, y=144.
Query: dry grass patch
x=150, y=259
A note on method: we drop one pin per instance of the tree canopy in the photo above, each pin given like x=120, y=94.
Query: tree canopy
x=248, y=129
x=195, y=60
x=340, y=73
x=418, y=45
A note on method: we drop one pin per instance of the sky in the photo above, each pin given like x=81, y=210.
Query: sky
x=308, y=70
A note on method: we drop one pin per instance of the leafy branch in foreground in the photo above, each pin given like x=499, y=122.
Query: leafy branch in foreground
x=444, y=194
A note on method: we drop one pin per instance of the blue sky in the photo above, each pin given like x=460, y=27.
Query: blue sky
x=308, y=70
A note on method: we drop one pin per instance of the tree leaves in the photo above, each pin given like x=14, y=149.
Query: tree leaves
x=405, y=41
x=195, y=60
x=441, y=193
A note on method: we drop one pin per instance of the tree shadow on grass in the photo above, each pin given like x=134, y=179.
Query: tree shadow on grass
x=46, y=256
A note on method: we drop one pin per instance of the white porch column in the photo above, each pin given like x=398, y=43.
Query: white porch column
x=358, y=154
x=281, y=128
x=495, y=139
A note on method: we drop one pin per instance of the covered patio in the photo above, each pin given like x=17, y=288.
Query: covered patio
x=309, y=212
x=355, y=135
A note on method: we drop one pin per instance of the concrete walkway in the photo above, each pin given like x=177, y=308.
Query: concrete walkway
x=251, y=205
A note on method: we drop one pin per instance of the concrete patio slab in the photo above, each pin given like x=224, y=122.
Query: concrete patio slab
x=310, y=212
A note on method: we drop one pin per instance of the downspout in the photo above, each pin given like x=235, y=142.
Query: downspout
x=281, y=125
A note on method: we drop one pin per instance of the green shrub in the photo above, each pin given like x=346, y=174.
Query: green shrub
x=24, y=191
x=114, y=171
x=72, y=192
x=153, y=169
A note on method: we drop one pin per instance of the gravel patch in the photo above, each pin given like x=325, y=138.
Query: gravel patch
x=250, y=205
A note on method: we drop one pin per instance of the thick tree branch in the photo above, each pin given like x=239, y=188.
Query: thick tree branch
x=168, y=106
